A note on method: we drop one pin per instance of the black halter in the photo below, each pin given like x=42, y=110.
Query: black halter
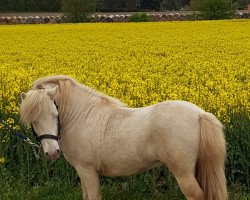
x=49, y=136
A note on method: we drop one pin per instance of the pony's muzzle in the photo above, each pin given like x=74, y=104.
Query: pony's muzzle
x=53, y=155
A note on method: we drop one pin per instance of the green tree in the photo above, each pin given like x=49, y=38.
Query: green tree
x=170, y=5
x=78, y=10
x=214, y=9
x=242, y=4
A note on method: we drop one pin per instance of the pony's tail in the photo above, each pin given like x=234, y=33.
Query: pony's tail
x=210, y=167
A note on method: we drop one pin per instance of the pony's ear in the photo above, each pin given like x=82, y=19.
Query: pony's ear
x=23, y=96
x=52, y=92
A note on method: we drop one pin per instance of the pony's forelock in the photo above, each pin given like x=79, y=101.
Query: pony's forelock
x=34, y=105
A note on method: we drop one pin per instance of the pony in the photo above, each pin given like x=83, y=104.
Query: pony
x=101, y=136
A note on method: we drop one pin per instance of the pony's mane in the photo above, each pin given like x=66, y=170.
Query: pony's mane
x=66, y=83
x=34, y=106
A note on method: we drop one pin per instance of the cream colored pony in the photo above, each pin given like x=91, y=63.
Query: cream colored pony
x=100, y=136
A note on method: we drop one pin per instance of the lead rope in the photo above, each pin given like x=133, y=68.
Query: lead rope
x=35, y=147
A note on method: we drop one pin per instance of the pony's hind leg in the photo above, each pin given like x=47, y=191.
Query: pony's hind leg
x=184, y=172
x=182, y=166
x=190, y=187
x=183, y=169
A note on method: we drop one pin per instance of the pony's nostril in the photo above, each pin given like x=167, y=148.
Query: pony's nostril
x=53, y=154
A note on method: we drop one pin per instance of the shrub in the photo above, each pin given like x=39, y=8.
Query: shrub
x=139, y=17
x=214, y=9
x=78, y=10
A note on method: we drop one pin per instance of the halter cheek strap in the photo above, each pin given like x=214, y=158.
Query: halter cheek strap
x=49, y=136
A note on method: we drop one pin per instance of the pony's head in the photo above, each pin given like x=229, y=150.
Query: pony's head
x=38, y=107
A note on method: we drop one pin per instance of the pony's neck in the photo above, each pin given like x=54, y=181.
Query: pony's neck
x=76, y=107
x=75, y=104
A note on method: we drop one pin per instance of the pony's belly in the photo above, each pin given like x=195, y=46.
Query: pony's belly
x=126, y=169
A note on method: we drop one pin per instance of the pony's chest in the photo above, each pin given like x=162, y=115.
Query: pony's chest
x=75, y=151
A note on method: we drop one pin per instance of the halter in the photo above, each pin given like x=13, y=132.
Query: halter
x=49, y=136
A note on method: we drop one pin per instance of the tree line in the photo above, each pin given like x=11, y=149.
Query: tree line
x=30, y=5
x=102, y=5
x=141, y=5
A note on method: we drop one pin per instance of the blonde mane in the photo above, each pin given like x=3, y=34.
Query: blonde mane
x=66, y=84
x=34, y=106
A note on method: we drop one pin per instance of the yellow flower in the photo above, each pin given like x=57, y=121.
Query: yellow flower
x=2, y=160
x=141, y=64
x=10, y=121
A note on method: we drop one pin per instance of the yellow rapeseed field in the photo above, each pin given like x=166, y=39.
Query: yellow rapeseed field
x=204, y=62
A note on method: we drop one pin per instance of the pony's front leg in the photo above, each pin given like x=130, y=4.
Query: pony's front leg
x=90, y=183
x=84, y=192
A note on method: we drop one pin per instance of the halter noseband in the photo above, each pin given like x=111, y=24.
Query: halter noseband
x=49, y=136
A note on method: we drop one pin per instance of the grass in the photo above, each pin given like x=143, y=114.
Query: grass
x=131, y=189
